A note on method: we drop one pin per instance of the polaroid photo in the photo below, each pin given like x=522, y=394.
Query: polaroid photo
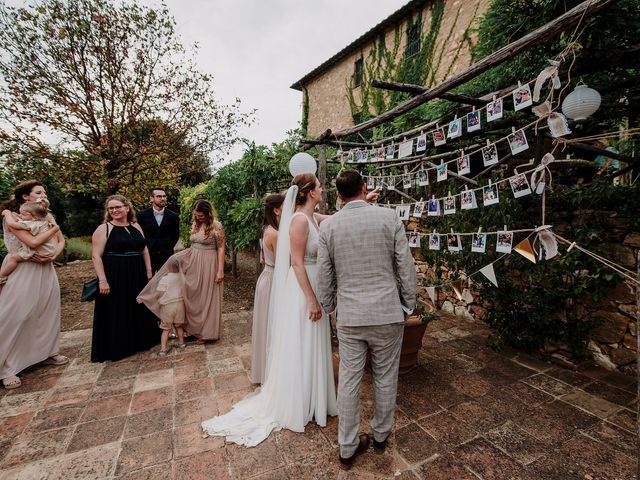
x=379, y=182
x=381, y=153
x=522, y=97
x=442, y=172
x=403, y=211
x=434, y=241
x=490, y=155
x=464, y=165
x=439, y=138
x=473, y=121
x=494, y=110
x=455, y=128
x=405, y=149
x=504, y=242
x=371, y=183
x=390, y=151
x=517, y=142
x=490, y=194
x=406, y=181
x=433, y=208
x=362, y=156
x=449, y=205
x=414, y=240
x=391, y=182
x=479, y=242
x=453, y=242
x=423, y=178
x=468, y=200
x=351, y=156
x=520, y=185
x=373, y=155
x=418, y=210
x=421, y=143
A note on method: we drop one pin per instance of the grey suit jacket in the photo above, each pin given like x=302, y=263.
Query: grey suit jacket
x=365, y=269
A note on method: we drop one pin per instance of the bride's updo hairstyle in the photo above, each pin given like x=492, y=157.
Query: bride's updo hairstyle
x=305, y=182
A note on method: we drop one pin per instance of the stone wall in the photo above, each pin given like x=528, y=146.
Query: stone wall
x=328, y=102
x=613, y=344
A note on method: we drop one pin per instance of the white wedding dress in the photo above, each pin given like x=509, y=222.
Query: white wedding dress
x=299, y=383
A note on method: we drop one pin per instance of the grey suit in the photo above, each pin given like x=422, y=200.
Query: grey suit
x=365, y=274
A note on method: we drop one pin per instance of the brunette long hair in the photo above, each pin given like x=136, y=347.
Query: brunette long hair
x=203, y=206
x=23, y=188
x=271, y=202
x=306, y=182
x=131, y=214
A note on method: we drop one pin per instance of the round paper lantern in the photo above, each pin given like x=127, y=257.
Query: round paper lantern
x=581, y=103
x=302, y=163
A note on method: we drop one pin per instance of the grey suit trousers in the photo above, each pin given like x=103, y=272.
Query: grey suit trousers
x=385, y=343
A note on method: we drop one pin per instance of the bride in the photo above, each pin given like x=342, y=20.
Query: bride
x=299, y=383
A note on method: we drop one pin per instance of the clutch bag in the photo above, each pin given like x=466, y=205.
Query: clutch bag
x=89, y=290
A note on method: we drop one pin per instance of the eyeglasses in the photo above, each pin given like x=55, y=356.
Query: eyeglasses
x=112, y=209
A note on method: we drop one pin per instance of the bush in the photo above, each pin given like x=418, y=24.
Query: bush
x=78, y=248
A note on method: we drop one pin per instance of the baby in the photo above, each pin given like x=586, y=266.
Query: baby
x=35, y=218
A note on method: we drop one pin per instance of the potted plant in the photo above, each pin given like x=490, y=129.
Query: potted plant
x=414, y=327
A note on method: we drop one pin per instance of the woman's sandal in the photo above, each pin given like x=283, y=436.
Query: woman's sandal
x=11, y=382
x=180, y=345
x=56, y=359
x=164, y=353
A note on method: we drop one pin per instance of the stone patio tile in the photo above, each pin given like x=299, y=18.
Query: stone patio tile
x=471, y=385
x=11, y=427
x=106, y=408
x=150, y=421
x=278, y=474
x=211, y=464
x=568, y=376
x=626, y=419
x=461, y=345
x=189, y=411
x=98, y=432
x=517, y=443
x=219, y=352
x=264, y=458
x=554, y=466
x=478, y=417
x=151, y=399
x=610, y=393
x=231, y=382
x=5, y=446
x=189, y=440
x=87, y=373
x=598, y=460
x=202, y=387
x=294, y=446
x=187, y=373
x=140, y=452
x=528, y=395
x=370, y=464
x=119, y=370
x=414, y=444
x=447, y=429
x=191, y=358
x=161, y=471
x=226, y=366
x=55, y=417
x=77, y=394
x=549, y=384
x=591, y=403
x=330, y=431
x=155, y=363
x=495, y=378
x=111, y=388
x=416, y=405
x=97, y=463
x=446, y=467
x=445, y=396
x=11, y=405
x=30, y=447
x=616, y=437
x=620, y=380
x=153, y=380
x=485, y=460
x=533, y=362
x=33, y=383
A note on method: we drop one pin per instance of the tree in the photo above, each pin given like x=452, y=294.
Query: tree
x=113, y=84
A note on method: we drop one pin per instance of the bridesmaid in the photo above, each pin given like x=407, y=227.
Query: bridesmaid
x=272, y=210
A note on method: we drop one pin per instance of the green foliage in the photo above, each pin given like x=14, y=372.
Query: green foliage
x=3, y=249
x=188, y=196
x=78, y=248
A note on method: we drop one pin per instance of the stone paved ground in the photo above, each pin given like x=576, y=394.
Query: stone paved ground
x=465, y=413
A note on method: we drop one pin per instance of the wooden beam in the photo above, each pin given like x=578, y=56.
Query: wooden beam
x=539, y=36
x=417, y=89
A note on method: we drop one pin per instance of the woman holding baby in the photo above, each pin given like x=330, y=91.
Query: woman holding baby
x=30, y=295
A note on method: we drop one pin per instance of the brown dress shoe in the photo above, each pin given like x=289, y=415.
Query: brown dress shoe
x=345, y=463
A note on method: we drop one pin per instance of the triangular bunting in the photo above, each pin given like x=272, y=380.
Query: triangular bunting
x=488, y=272
x=525, y=249
x=431, y=291
x=457, y=287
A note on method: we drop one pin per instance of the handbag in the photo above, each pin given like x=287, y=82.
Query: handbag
x=89, y=290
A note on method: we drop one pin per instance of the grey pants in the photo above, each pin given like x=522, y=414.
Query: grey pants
x=385, y=342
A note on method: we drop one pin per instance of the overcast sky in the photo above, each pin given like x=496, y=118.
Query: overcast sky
x=256, y=49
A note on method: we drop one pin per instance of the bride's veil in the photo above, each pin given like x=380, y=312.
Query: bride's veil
x=277, y=298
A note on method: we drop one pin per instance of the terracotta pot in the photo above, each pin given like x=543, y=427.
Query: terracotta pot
x=411, y=342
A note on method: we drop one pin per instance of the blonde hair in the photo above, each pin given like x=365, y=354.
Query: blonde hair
x=131, y=214
x=37, y=209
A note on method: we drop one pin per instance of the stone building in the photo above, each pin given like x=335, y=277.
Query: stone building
x=424, y=42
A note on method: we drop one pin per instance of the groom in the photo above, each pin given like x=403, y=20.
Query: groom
x=366, y=273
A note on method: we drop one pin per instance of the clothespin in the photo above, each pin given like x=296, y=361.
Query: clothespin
x=488, y=142
x=505, y=228
x=573, y=244
x=466, y=188
x=489, y=182
x=494, y=98
x=452, y=231
x=433, y=197
x=519, y=84
x=513, y=129
x=449, y=193
x=479, y=230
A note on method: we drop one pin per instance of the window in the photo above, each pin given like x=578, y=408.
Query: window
x=358, y=72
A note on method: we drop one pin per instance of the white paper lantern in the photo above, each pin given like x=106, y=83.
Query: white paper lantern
x=302, y=163
x=581, y=103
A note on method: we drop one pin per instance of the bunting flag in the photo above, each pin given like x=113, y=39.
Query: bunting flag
x=525, y=249
x=549, y=243
x=488, y=272
x=431, y=291
x=457, y=287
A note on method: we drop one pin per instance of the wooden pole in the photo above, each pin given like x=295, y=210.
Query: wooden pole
x=322, y=176
x=417, y=90
x=539, y=36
